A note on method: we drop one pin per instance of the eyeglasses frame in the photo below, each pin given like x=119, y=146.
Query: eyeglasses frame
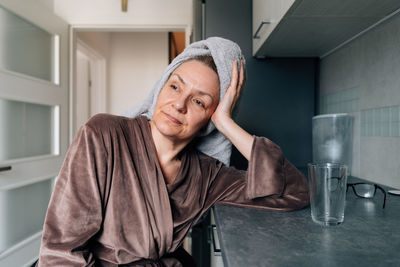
x=375, y=185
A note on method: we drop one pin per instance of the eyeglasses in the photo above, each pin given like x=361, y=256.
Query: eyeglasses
x=365, y=190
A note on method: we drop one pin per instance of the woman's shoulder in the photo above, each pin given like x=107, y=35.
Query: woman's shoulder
x=106, y=121
x=102, y=120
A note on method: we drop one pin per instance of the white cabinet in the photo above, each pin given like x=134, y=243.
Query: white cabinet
x=34, y=119
x=314, y=28
x=270, y=11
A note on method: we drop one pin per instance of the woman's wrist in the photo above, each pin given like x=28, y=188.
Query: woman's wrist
x=222, y=123
x=241, y=139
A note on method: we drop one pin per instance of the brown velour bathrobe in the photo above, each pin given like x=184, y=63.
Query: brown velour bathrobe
x=111, y=205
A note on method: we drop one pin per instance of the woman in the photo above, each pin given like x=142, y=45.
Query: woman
x=131, y=188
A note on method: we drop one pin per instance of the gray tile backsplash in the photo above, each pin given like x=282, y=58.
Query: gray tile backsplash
x=363, y=79
x=344, y=101
x=380, y=121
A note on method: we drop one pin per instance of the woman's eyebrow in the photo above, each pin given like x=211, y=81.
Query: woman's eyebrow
x=179, y=77
x=195, y=89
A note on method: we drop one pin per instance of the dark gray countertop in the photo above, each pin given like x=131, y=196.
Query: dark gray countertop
x=369, y=236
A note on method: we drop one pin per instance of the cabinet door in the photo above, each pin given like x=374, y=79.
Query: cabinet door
x=267, y=10
x=33, y=122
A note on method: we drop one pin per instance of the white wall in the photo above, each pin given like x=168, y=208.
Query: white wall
x=99, y=41
x=48, y=3
x=140, y=12
x=137, y=60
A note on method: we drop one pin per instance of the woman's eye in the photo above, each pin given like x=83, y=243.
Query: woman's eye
x=198, y=102
x=174, y=87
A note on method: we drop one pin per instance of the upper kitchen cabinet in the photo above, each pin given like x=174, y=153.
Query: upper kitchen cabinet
x=313, y=28
x=266, y=16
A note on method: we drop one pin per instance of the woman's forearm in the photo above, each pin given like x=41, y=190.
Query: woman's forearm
x=241, y=139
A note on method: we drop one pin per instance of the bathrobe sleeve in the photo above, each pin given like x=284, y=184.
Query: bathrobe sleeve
x=74, y=214
x=271, y=181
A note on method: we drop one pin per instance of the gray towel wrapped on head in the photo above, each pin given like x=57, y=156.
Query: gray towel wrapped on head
x=223, y=52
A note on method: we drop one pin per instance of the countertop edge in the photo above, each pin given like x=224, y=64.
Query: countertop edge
x=219, y=232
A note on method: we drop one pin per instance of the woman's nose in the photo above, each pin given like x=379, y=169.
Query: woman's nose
x=180, y=103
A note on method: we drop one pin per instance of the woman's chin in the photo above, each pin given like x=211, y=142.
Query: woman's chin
x=172, y=130
x=168, y=130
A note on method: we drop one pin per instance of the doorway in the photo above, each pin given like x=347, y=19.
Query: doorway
x=90, y=93
x=115, y=69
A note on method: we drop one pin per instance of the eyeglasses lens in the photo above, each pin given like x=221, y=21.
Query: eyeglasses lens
x=365, y=190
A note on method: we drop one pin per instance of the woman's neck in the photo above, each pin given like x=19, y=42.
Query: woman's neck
x=168, y=149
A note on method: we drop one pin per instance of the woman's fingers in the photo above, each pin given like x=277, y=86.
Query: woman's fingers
x=232, y=95
x=242, y=75
x=234, y=80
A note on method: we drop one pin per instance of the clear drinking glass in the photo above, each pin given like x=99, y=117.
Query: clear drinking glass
x=327, y=182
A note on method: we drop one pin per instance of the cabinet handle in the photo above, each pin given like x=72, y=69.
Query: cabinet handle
x=5, y=168
x=217, y=251
x=259, y=28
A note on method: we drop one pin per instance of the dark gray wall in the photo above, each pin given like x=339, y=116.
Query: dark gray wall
x=278, y=100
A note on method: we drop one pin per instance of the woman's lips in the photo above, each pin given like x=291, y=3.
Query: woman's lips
x=173, y=119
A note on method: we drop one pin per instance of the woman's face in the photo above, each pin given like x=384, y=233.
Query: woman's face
x=187, y=101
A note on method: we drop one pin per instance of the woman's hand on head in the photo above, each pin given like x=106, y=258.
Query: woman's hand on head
x=222, y=117
x=223, y=112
